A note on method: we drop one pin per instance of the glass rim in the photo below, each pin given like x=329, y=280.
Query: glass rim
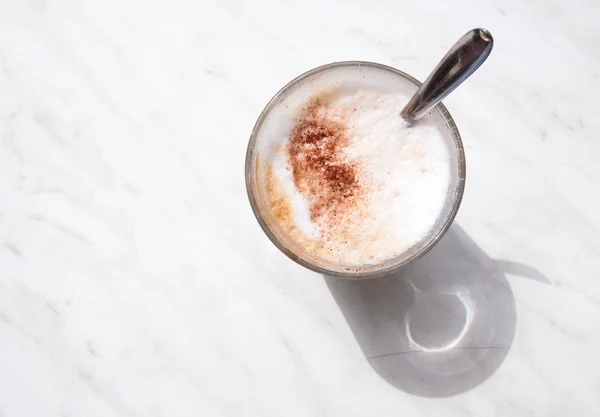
x=354, y=274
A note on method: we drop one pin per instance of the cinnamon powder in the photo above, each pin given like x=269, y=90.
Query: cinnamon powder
x=320, y=170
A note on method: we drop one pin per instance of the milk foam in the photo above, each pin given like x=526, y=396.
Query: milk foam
x=404, y=172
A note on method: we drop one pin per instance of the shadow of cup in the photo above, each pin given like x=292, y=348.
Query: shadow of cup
x=440, y=326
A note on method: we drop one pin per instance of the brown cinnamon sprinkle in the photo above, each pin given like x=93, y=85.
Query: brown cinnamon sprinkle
x=320, y=172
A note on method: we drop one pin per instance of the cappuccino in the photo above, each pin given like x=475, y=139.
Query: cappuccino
x=344, y=176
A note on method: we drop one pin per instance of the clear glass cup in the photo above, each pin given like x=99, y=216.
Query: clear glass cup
x=260, y=203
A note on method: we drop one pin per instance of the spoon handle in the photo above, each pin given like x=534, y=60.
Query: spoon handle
x=465, y=56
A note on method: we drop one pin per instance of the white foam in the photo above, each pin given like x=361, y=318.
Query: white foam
x=299, y=204
x=406, y=171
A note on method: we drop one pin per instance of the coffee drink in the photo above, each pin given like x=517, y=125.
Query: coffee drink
x=343, y=177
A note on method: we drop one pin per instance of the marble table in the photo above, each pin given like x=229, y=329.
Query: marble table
x=135, y=281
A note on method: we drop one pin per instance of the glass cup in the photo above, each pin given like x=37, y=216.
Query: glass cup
x=259, y=200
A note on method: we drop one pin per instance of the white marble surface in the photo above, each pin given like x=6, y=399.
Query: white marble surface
x=134, y=280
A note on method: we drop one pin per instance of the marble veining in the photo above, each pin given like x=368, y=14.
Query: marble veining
x=135, y=281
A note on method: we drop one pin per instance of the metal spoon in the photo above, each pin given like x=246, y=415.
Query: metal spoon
x=465, y=56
